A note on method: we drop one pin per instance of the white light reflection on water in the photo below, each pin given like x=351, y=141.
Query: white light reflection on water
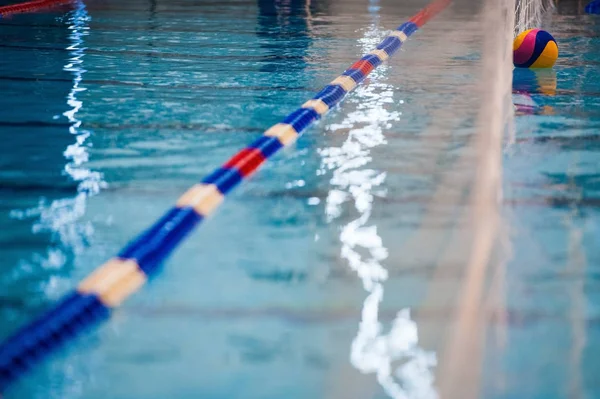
x=60, y=217
x=373, y=350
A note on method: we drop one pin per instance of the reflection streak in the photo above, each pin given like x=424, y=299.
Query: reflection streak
x=60, y=217
x=373, y=350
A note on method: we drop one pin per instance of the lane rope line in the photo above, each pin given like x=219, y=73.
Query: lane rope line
x=109, y=285
x=30, y=6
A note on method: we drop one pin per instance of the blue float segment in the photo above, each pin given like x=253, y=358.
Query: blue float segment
x=408, y=28
x=35, y=333
x=355, y=74
x=153, y=246
x=593, y=7
x=267, y=145
x=301, y=118
x=372, y=59
x=390, y=45
x=331, y=95
x=136, y=245
x=31, y=335
x=226, y=179
x=67, y=319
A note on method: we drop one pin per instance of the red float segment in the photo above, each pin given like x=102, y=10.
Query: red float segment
x=429, y=12
x=246, y=161
x=31, y=6
x=365, y=66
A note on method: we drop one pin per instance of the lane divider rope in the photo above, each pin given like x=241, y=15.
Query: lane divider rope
x=30, y=6
x=111, y=283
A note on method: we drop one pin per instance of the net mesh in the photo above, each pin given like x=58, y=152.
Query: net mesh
x=529, y=13
x=460, y=99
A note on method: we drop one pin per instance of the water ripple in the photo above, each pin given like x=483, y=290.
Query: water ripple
x=402, y=368
x=60, y=217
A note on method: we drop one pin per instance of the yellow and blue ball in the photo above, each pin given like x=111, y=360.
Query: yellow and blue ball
x=535, y=48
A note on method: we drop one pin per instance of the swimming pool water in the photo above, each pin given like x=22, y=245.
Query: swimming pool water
x=330, y=272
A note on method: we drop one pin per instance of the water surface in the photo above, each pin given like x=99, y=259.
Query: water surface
x=332, y=272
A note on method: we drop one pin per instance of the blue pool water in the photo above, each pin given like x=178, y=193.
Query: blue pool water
x=331, y=272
